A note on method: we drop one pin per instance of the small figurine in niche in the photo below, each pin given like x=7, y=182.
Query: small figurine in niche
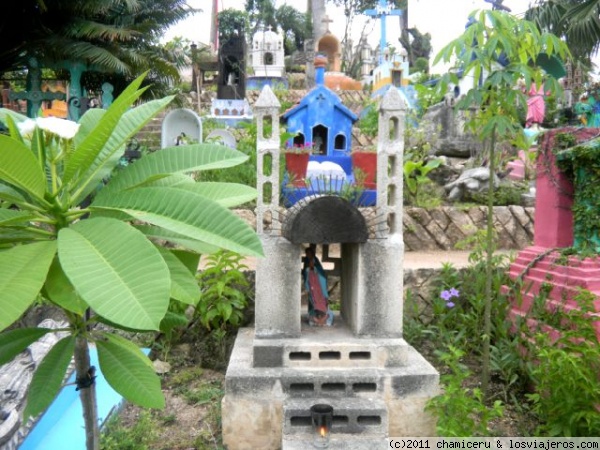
x=181, y=139
x=315, y=283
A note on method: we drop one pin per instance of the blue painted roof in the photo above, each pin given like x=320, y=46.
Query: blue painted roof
x=310, y=97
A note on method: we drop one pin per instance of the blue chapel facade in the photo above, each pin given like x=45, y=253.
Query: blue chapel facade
x=321, y=119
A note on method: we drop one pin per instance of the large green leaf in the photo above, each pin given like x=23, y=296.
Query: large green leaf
x=129, y=125
x=17, y=117
x=173, y=320
x=48, y=377
x=59, y=290
x=129, y=373
x=117, y=271
x=12, y=235
x=13, y=129
x=12, y=216
x=15, y=341
x=190, y=260
x=158, y=234
x=87, y=123
x=177, y=180
x=23, y=270
x=82, y=159
x=225, y=194
x=9, y=194
x=20, y=168
x=173, y=160
x=184, y=286
x=188, y=214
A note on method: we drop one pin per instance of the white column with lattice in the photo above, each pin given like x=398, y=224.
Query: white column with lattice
x=266, y=112
x=390, y=152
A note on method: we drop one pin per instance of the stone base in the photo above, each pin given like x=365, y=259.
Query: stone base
x=377, y=387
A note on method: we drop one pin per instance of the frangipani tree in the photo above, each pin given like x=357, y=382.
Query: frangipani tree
x=497, y=50
x=103, y=263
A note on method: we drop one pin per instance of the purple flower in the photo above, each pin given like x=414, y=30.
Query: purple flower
x=446, y=295
x=454, y=293
x=450, y=304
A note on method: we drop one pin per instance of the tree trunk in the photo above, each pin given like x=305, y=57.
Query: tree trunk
x=487, y=312
x=318, y=14
x=316, y=9
x=87, y=395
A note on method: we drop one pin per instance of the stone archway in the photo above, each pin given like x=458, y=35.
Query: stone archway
x=325, y=220
x=330, y=46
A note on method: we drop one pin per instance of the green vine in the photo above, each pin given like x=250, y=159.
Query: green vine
x=582, y=163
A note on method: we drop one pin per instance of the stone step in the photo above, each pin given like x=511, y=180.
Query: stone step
x=352, y=416
x=324, y=347
x=333, y=383
x=337, y=442
x=325, y=353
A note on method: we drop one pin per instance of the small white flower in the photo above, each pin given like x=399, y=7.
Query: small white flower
x=26, y=127
x=63, y=128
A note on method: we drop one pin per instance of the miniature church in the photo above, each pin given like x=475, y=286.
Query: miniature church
x=356, y=382
x=322, y=118
x=267, y=60
x=323, y=121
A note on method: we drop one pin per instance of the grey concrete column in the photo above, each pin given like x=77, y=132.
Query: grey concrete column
x=379, y=292
x=278, y=282
x=267, y=107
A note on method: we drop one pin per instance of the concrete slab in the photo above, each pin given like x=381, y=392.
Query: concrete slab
x=347, y=442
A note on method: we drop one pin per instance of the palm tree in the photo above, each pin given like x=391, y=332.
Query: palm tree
x=575, y=20
x=116, y=36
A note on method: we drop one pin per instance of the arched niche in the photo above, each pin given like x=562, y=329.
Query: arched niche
x=330, y=45
x=325, y=220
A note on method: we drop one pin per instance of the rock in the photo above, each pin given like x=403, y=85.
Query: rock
x=448, y=125
x=161, y=367
x=15, y=377
x=472, y=181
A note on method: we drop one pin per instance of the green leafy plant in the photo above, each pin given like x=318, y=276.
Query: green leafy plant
x=491, y=36
x=564, y=366
x=369, y=119
x=225, y=291
x=461, y=411
x=102, y=262
x=139, y=436
x=415, y=176
x=581, y=164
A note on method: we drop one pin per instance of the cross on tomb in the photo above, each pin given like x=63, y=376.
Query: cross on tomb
x=497, y=5
x=381, y=11
x=326, y=20
x=34, y=94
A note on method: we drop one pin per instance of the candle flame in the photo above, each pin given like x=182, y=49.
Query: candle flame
x=323, y=431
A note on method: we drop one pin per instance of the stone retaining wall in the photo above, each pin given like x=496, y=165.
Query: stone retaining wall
x=444, y=227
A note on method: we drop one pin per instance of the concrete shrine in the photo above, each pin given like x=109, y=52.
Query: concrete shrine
x=267, y=61
x=231, y=105
x=360, y=369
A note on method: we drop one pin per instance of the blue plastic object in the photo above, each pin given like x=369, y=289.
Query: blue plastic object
x=61, y=427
